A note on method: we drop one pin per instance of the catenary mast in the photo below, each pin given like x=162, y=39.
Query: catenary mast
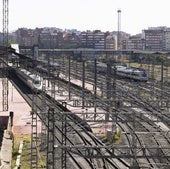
x=5, y=57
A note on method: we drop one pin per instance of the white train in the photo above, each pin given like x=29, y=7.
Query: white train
x=121, y=71
x=132, y=73
x=33, y=81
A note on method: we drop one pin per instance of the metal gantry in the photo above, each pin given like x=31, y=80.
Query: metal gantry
x=34, y=135
x=101, y=119
x=5, y=57
x=50, y=140
x=44, y=116
x=111, y=96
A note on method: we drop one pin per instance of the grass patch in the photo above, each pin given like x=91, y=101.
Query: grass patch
x=25, y=158
x=117, y=136
x=114, y=139
x=26, y=152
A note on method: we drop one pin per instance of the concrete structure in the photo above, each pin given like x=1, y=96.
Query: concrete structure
x=6, y=151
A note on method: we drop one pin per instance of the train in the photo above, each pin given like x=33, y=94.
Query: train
x=31, y=80
x=136, y=74
x=34, y=81
x=132, y=73
x=48, y=71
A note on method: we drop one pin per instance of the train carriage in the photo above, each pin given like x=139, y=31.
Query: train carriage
x=32, y=81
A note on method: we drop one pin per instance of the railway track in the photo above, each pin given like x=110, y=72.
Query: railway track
x=145, y=133
x=147, y=106
x=82, y=134
x=130, y=92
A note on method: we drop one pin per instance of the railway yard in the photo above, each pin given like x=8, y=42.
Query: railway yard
x=95, y=118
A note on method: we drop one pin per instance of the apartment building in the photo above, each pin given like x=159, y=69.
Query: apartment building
x=135, y=42
x=151, y=39
x=93, y=39
x=71, y=40
x=25, y=37
x=50, y=38
x=98, y=40
x=111, y=42
x=166, y=40
x=154, y=38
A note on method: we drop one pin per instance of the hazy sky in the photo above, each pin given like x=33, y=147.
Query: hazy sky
x=89, y=14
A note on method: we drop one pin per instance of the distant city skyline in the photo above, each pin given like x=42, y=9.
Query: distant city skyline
x=83, y=15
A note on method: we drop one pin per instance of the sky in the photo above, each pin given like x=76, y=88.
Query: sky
x=136, y=15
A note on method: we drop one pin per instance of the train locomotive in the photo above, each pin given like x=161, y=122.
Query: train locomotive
x=136, y=74
x=132, y=73
x=31, y=80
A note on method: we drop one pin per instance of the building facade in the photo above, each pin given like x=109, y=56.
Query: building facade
x=135, y=42
x=151, y=39
x=166, y=40
x=154, y=38
x=93, y=39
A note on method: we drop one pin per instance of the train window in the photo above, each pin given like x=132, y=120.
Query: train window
x=144, y=74
x=137, y=74
x=36, y=81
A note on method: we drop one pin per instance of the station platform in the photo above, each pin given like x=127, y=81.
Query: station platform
x=21, y=110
